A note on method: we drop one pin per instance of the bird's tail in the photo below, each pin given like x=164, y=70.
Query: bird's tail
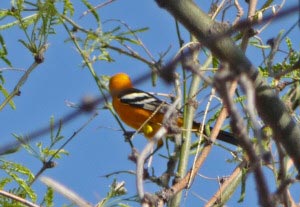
x=224, y=136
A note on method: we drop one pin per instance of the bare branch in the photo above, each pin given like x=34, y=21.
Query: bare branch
x=18, y=199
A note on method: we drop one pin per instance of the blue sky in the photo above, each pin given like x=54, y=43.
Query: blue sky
x=99, y=149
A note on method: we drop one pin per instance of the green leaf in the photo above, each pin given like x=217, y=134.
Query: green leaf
x=243, y=187
x=49, y=197
x=4, y=182
x=3, y=52
x=289, y=43
x=257, y=44
x=105, y=56
x=215, y=62
x=2, y=78
x=68, y=6
x=11, y=150
x=6, y=94
x=20, y=4
x=124, y=39
x=17, y=172
x=58, y=136
x=130, y=32
x=53, y=152
x=267, y=4
x=51, y=127
x=29, y=46
x=92, y=9
x=4, y=13
x=23, y=184
x=26, y=21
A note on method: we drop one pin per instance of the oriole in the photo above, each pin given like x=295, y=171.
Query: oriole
x=141, y=110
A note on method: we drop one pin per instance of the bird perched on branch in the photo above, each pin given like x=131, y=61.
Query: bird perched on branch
x=145, y=112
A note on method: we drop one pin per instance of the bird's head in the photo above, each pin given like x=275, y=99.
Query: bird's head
x=119, y=82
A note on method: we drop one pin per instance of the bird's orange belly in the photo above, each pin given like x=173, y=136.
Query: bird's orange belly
x=136, y=117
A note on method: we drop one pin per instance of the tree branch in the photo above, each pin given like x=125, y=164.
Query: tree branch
x=18, y=199
x=270, y=108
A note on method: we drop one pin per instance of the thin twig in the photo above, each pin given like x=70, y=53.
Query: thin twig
x=240, y=12
x=202, y=130
x=46, y=163
x=130, y=172
x=248, y=87
x=131, y=54
x=269, y=21
x=117, y=49
x=96, y=7
x=18, y=199
x=137, y=38
x=246, y=31
x=20, y=83
x=12, y=69
x=220, y=6
x=229, y=183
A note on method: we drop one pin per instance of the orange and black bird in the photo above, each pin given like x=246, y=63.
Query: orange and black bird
x=142, y=110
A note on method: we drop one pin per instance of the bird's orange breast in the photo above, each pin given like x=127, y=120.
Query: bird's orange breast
x=136, y=117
